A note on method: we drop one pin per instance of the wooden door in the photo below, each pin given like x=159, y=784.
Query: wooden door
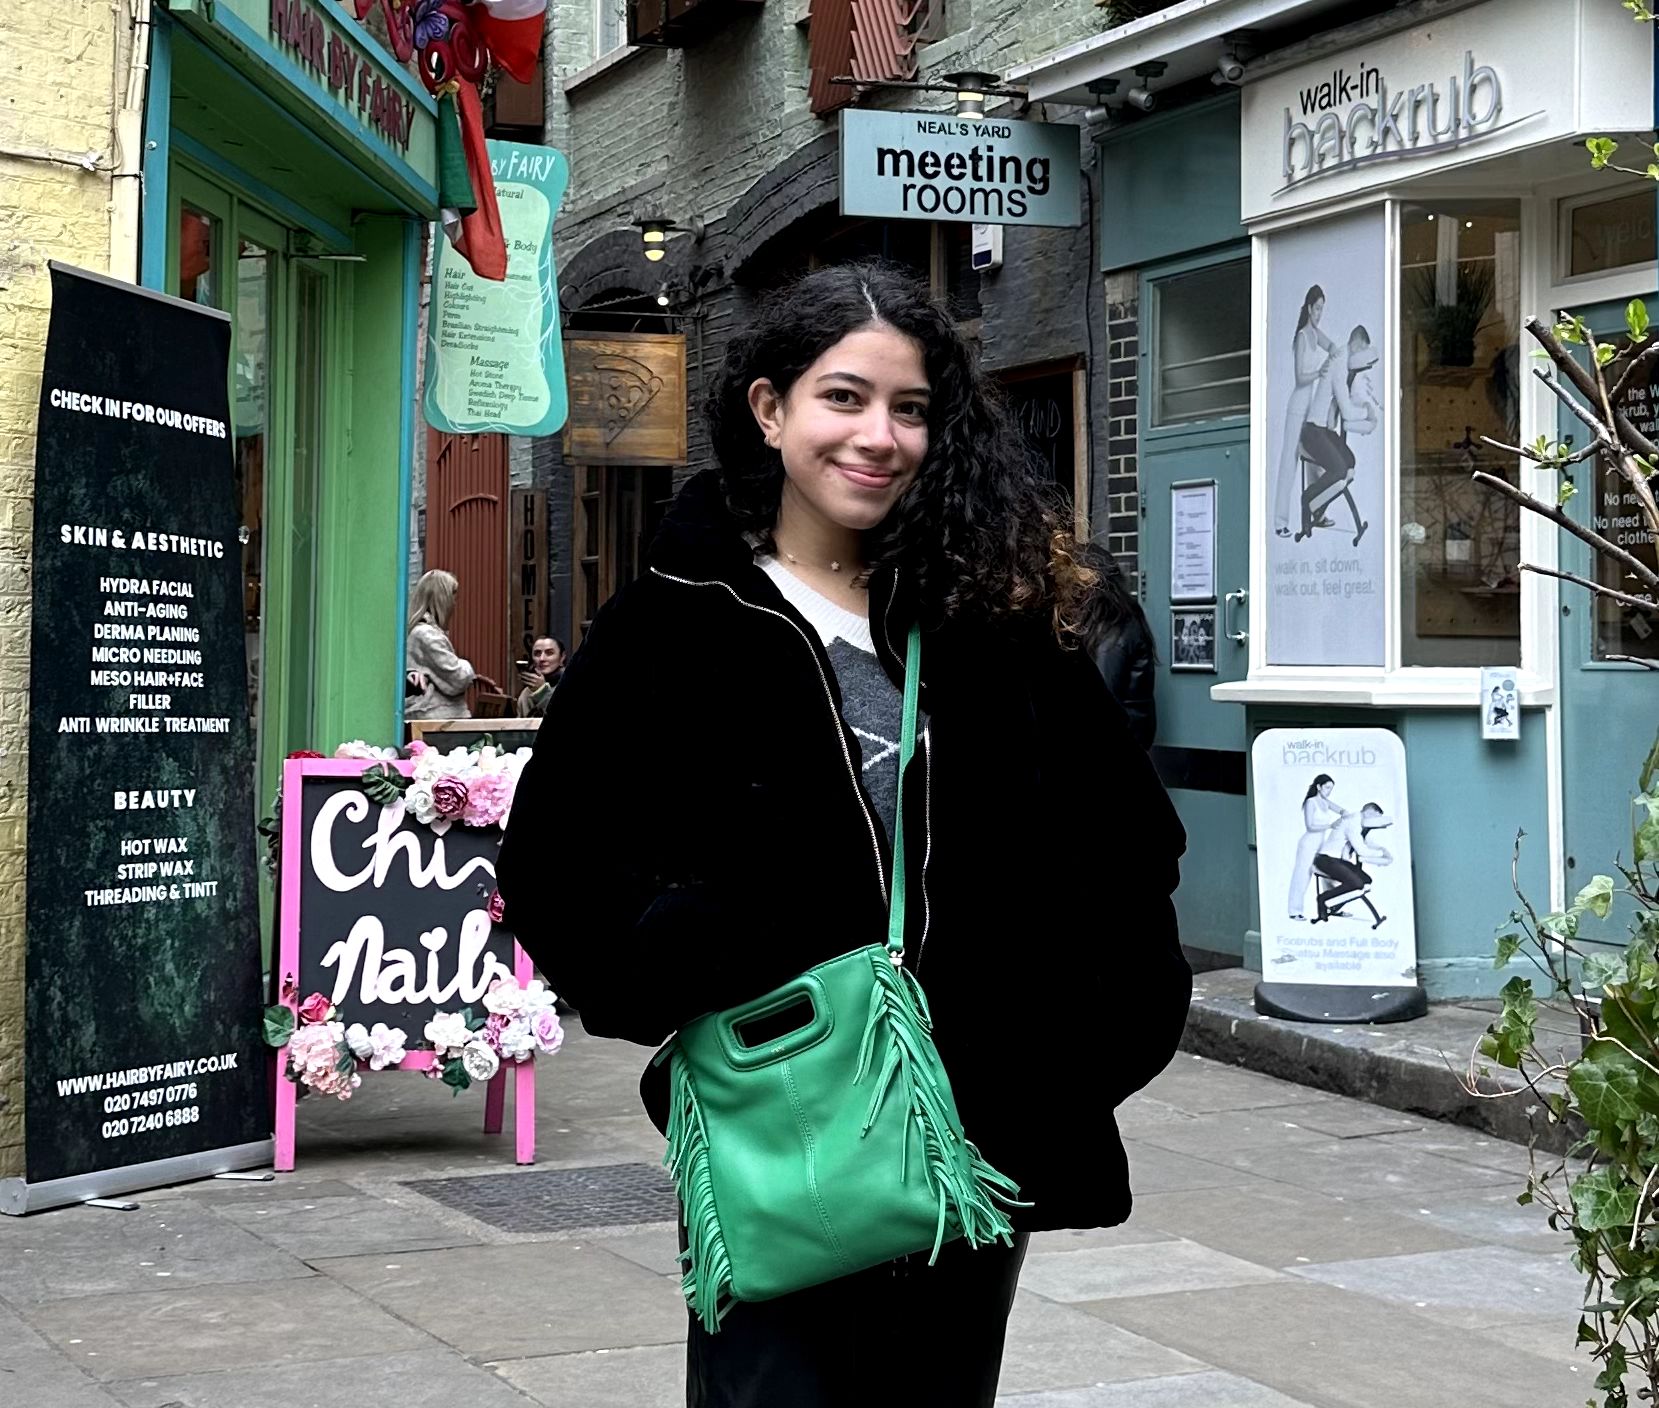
x=467, y=512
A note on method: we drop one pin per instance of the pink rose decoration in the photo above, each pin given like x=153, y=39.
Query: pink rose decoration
x=415, y=749
x=496, y=908
x=315, y=1008
x=449, y=797
x=488, y=800
x=494, y=1025
x=548, y=1031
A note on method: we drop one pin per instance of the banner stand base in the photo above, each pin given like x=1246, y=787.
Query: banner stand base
x=1339, y=1004
x=18, y=1196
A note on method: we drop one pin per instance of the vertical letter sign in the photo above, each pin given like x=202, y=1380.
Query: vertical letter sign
x=142, y=1053
x=494, y=353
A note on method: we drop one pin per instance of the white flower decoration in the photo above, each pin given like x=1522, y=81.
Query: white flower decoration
x=418, y=799
x=518, y=1042
x=385, y=1046
x=505, y=997
x=357, y=1038
x=479, y=1059
x=448, y=1032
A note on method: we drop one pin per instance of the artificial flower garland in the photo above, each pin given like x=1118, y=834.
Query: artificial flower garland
x=466, y=786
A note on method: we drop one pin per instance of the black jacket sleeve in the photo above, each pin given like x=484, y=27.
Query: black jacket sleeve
x=1128, y=663
x=589, y=873
x=1102, y=782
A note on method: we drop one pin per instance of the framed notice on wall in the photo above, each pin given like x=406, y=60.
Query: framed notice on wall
x=1192, y=542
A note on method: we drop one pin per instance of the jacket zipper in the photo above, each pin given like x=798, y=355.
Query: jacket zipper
x=829, y=698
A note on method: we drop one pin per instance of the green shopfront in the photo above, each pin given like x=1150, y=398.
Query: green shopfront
x=289, y=176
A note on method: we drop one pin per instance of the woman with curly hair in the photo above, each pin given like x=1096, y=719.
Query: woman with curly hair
x=731, y=724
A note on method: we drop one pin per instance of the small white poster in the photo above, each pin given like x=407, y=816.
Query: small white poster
x=1192, y=542
x=1326, y=456
x=1333, y=857
x=1500, y=705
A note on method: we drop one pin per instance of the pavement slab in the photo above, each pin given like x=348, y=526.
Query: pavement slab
x=1054, y=1346
x=244, y=1326
x=169, y=1245
x=1277, y=1225
x=1472, y=1286
x=1483, y=1215
x=1097, y=1273
x=1201, y=1086
x=652, y=1376
x=1384, y=1166
x=1336, y=1348
x=1211, y=1390
x=429, y=1378
x=522, y=1299
x=348, y=1224
x=35, y=1374
x=1152, y=1167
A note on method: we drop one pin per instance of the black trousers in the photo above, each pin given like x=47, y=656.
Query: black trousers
x=897, y=1336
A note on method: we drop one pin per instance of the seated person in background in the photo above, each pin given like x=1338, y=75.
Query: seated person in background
x=1332, y=415
x=547, y=666
x=1347, y=842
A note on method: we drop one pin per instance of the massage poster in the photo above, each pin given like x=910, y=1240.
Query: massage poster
x=1333, y=857
x=1326, y=442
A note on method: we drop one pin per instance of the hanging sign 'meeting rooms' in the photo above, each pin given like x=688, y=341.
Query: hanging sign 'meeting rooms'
x=930, y=166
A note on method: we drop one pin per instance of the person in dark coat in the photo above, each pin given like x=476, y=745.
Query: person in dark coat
x=1118, y=639
x=736, y=805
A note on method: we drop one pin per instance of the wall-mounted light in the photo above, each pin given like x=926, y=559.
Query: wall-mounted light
x=654, y=235
x=1141, y=95
x=654, y=231
x=971, y=86
x=1102, y=89
x=662, y=296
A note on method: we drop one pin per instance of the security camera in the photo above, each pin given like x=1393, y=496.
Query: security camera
x=1141, y=95
x=1228, y=69
x=1143, y=99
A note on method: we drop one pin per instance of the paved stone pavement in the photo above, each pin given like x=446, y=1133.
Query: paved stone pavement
x=1289, y=1249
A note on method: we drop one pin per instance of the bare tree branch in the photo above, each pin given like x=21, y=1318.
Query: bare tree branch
x=1638, y=363
x=1578, y=408
x=1641, y=603
x=1580, y=377
x=1643, y=573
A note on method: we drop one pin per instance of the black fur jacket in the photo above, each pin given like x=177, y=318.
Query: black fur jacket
x=692, y=832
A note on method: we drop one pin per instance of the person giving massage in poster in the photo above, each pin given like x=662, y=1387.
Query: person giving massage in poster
x=1344, y=400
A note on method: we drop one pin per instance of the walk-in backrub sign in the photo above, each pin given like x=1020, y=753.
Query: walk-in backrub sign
x=931, y=166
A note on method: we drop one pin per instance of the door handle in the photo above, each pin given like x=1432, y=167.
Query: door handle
x=1240, y=596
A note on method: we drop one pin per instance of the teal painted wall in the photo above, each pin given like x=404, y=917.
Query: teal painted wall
x=1468, y=798
x=1170, y=184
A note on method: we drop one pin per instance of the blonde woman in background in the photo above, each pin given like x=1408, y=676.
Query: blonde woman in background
x=442, y=676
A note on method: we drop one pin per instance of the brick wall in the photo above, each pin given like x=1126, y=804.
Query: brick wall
x=58, y=72
x=1122, y=521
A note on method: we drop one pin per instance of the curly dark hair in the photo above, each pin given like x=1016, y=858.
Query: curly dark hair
x=979, y=533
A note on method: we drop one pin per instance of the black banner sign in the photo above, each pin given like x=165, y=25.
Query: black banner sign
x=142, y=988
x=388, y=919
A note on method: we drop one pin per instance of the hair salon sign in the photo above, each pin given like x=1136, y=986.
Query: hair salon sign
x=1449, y=91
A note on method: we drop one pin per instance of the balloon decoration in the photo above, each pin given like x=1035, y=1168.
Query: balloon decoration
x=454, y=43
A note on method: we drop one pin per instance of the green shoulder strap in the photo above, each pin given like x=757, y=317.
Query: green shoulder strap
x=907, y=748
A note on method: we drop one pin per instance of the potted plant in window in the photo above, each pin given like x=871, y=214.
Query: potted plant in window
x=1450, y=328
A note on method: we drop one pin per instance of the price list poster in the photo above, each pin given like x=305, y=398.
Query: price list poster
x=143, y=1061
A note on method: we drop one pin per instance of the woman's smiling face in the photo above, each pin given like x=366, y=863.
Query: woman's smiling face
x=852, y=430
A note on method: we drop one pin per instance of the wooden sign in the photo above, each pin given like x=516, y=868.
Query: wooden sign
x=390, y=921
x=527, y=570
x=627, y=399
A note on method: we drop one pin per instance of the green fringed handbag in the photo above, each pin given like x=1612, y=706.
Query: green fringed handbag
x=812, y=1133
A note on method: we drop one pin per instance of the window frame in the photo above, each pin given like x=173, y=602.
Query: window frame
x=600, y=51
x=1566, y=206
x=1395, y=684
x=1154, y=337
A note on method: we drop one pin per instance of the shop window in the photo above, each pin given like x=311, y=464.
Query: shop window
x=1604, y=233
x=251, y=413
x=1201, y=337
x=1460, y=379
x=610, y=26
x=198, y=252
x=1617, y=515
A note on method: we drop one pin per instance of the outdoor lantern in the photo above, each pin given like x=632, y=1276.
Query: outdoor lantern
x=970, y=92
x=654, y=234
